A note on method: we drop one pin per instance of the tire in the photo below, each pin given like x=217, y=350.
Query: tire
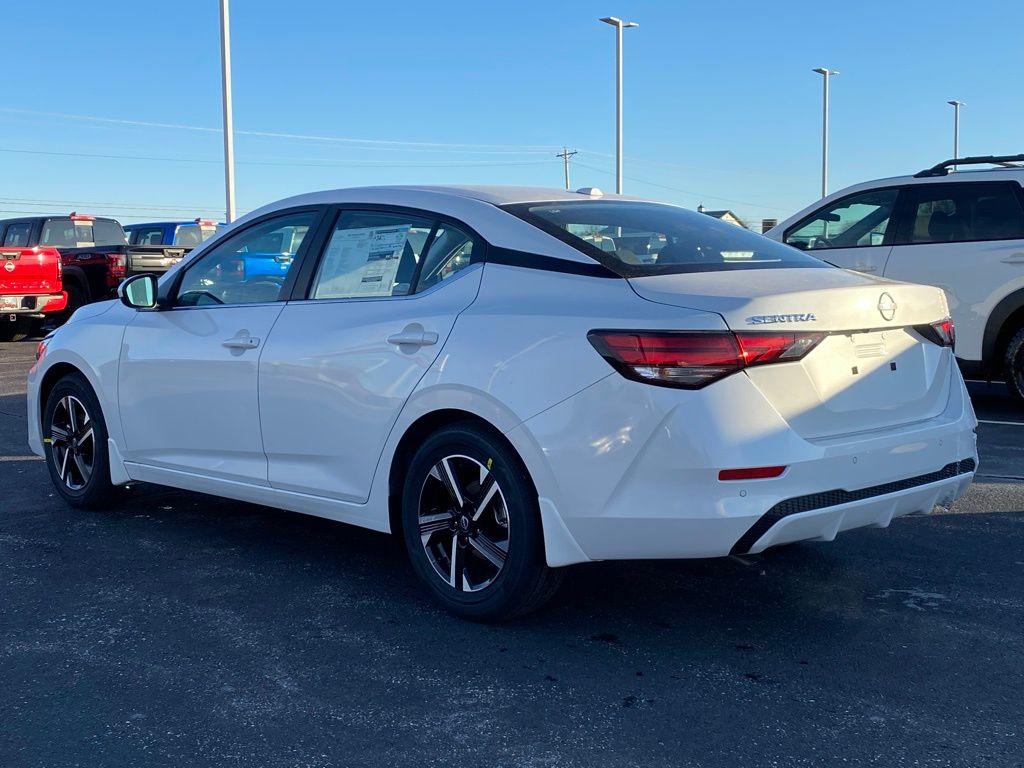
x=499, y=569
x=1013, y=365
x=77, y=297
x=76, y=455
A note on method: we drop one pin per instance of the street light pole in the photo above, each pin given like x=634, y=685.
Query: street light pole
x=619, y=24
x=826, y=74
x=956, y=127
x=229, y=137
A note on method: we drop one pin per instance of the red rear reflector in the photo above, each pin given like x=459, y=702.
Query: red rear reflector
x=753, y=473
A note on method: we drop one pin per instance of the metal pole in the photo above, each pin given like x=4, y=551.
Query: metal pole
x=618, y=108
x=824, y=138
x=229, y=138
x=825, y=73
x=956, y=128
x=565, y=161
x=618, y=24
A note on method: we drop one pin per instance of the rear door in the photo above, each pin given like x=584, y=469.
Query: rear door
x=188, y=374
x=342, y=361
x=853, y=232
x=966, y=238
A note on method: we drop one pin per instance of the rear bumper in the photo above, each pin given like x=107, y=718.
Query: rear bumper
x=633, y=470
x=35, y=306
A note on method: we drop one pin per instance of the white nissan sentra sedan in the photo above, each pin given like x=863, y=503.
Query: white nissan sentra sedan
x=514, y=380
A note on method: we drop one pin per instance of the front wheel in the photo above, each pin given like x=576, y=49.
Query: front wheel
x=75, y=439
x=1013, y=365
x=472, y=527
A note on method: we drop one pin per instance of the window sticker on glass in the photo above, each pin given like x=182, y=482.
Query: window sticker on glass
x=361, y=262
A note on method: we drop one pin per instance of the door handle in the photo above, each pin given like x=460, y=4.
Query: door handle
x=241, y=342
x=865, y=268
x=1014, y=258
x=414, y=336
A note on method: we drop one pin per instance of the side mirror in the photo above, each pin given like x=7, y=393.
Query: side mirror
x=138, y=292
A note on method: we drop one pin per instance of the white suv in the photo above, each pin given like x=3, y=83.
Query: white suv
x=962, y=231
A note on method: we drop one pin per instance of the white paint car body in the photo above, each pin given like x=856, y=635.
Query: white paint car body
x=308, y=414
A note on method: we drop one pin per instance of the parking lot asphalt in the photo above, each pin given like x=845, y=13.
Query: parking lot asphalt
x=180, y=629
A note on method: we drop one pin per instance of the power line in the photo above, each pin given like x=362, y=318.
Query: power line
x=410, y=145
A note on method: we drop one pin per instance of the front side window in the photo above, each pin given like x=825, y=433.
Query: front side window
x=634, y=239
x=371, y=255
x=191, y=235
x=18, y=234
x=856, y=221
x=951, y=213
x=249, y=267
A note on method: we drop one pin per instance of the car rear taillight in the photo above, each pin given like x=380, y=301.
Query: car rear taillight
x=116, y=268
x=694, y=359
x=942, y=333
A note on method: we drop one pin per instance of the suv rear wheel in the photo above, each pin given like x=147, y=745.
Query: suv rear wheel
x=1013, y=364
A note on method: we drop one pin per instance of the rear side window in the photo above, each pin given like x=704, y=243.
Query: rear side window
x=955, y=213
x=853, y=222
x=634, y=239
x=18, y=234
x=371, y=255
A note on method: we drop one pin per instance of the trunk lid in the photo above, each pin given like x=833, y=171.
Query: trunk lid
x=872, y=370
x=29, y=271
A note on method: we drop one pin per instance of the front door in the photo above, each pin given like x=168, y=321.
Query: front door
x=340, y=365
x=188, y=375
x=852, y=232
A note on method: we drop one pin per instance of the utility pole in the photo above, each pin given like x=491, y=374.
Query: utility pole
x=619, y=24
x=826, y=74
x=956, y=128
x=565, y=154
x=229, y=137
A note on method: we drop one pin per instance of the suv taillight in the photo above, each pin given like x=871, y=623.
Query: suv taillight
x=942, y=333
x=694, y=359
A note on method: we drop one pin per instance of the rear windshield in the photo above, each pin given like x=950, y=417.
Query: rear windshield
x=81, y=233
x=193, y=234
x=635, y=239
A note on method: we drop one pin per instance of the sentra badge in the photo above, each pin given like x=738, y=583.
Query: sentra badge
x=796, y=317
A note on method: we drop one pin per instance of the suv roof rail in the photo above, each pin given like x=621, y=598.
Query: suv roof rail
x=942, y=168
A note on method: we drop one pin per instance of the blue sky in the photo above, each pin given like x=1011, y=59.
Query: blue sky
x=721, y=106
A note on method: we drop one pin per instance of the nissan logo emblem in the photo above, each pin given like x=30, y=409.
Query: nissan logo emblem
x=887, y=306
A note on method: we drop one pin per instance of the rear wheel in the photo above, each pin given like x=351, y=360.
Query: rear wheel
x=472, y=526
x=75, y=438
x=1013, y=365
x=77, y=297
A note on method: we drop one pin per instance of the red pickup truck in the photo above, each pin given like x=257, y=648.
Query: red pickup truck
x=30, y=288
x=93, y=253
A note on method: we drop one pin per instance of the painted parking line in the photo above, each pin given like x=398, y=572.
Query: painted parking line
x=1005, y=423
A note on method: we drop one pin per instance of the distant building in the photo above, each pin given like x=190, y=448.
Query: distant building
x=767, y=224
x=727, y=216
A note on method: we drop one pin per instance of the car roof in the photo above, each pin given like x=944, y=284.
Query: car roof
x=974, y=174
x=476, y=206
